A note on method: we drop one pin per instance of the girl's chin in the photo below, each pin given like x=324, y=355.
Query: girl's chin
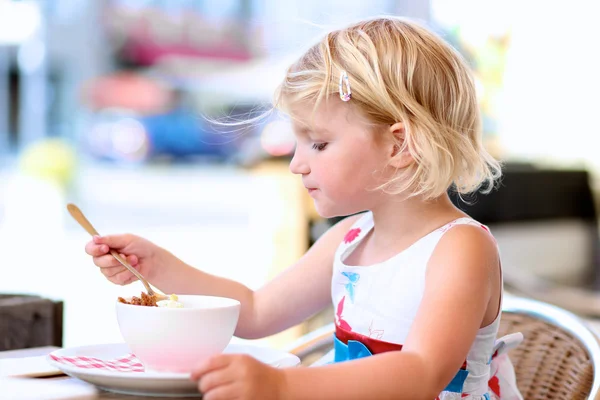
x=331, y=211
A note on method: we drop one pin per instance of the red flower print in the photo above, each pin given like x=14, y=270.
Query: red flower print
x=340, y=309
x=351, y=235
x=494, y=384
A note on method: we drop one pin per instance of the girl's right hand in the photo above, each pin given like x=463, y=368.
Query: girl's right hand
x=139, y=252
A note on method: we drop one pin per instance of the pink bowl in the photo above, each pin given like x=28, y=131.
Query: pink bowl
x=177, y=339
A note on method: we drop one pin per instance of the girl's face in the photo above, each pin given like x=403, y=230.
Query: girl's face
x=340, y=157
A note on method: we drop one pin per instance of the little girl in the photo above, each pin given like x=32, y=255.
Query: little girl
x=386, y=121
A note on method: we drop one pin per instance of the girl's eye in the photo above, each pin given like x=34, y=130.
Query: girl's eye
x=319, y=146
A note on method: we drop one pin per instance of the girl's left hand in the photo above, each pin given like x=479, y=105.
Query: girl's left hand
x=239, y=377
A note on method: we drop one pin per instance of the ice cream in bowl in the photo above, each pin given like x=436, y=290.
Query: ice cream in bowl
x=177, y=333
x=171, y=302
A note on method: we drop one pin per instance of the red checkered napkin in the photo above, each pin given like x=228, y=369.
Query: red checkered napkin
x=127, y=363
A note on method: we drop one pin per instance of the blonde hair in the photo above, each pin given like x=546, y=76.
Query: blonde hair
x=401, y=72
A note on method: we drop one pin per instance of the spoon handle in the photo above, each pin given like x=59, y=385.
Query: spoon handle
x=87, y=225
x=126, y=264
x=81, y=219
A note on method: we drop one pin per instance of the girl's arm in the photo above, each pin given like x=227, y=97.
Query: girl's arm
x=294, y=295
x=461, y=275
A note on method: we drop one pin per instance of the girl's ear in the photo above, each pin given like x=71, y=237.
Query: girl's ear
x=400, y=157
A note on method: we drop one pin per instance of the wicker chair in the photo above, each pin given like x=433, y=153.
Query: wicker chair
x=559, y=358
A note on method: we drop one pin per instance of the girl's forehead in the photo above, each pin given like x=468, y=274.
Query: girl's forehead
x=307, y=128
x=324, y=117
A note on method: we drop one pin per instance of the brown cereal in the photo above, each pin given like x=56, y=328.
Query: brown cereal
x=149, y=301
x=145, y=300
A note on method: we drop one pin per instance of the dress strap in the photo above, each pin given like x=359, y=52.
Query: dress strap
x=358, y=231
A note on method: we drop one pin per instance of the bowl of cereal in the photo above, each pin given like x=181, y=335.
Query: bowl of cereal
x=177, y=333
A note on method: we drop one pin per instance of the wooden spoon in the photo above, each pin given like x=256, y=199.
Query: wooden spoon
x=85, y=224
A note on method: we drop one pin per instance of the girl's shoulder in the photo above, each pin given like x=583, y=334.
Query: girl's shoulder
x=465, y=243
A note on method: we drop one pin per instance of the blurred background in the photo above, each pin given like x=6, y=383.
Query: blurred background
x=110, y=104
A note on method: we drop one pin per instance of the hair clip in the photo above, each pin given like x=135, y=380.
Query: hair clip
x=344, y=81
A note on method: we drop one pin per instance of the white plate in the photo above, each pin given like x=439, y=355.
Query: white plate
x=165, y=384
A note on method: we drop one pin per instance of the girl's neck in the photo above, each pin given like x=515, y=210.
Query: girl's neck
x=398, y=222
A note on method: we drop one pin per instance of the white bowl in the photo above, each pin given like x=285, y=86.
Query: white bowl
x=178, y=339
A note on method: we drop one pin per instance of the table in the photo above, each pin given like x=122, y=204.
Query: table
x=68, y=381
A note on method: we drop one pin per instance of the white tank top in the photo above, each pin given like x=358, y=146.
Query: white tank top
x=380, y=301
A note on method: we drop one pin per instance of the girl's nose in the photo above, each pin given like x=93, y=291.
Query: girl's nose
x=298, y=165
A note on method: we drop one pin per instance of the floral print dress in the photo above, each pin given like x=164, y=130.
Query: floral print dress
x=376, y=305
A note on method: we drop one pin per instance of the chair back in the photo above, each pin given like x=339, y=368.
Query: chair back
x=559, y=357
